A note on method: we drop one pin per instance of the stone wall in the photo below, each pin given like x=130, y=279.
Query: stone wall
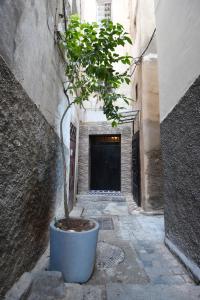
x=180, y=137
x=30, y=179
x=87, y=129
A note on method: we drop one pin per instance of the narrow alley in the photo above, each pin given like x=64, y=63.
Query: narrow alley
x=132, y=261
x=99, y=150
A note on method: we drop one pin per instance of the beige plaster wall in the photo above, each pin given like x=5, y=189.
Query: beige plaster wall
x=151, y=172
x=148, y=120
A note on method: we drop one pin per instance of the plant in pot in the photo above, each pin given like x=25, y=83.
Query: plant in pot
x=90, y=53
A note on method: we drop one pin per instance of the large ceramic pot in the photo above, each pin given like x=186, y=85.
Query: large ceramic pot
x=73, y=253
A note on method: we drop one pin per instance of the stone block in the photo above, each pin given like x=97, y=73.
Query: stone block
x=126, y=150
x=152, y=292
x=48, y=285
x=21, y=288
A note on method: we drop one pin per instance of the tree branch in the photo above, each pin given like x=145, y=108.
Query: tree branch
x=63, y=157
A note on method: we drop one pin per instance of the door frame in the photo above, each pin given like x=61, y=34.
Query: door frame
x=89, y=160
x=136, y=174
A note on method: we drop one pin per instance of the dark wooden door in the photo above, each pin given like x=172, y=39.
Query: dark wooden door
x=72, y=164
x=136, y=169
x=105, y=162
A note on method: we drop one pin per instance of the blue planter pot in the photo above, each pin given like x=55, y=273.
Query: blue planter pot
x=73, y=253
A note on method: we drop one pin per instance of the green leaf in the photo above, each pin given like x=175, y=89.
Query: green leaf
x=90, y=53
x=127, y=80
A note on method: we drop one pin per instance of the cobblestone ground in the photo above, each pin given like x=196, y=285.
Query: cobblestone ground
x=132, y=261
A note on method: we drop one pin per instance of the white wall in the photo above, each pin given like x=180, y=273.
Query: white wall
x=30, y=50
x=90, y=115
x=178, y=34
x=120, y=14
x=89, y=10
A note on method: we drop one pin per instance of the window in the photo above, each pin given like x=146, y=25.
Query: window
x=136, y=92
x=103, y=10
x=107, y=10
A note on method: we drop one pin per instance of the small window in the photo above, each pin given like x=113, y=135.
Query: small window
x=136, y=92
x=135, y=22
x=103, y=11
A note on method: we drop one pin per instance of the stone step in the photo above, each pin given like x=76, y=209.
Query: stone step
x=118, y=291
x=50, y=286
x=98, y=198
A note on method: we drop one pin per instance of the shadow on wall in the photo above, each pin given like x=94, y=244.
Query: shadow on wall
x=30, y=159
x=155, y=179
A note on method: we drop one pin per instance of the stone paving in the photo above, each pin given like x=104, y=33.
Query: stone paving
x=132, y=261
x=149, y=270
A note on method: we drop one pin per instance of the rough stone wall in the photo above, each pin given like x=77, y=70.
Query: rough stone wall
x=180, y=138
x=88, y=129
x=83, y=161
x=30, y=162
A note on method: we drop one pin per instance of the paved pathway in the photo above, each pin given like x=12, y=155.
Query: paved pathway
x=132, y=261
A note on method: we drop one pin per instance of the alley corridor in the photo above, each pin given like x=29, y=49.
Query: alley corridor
x=132, y=260
x=99, y=150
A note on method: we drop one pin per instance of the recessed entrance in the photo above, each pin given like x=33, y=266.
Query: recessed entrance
x=105, y=162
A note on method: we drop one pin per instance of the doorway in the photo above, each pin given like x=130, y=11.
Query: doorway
x=136, y=168
x=105, y=162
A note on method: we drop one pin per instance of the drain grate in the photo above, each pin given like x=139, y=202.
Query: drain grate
x=105, y=223
x=108, y=256
x=107, y=193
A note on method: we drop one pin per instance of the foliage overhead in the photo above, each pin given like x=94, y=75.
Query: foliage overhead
x=91, y=57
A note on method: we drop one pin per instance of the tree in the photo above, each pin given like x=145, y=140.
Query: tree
x=90, y=53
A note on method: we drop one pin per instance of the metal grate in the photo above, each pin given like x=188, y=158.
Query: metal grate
x=107, y=193
x=128, y=116
x=108, y=256
x=105, y=223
